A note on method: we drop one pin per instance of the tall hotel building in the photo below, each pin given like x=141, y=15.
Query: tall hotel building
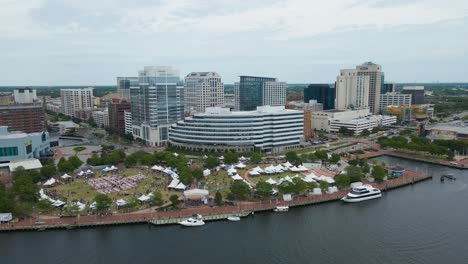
x=269, y=128
x=157, y=101
x=251, y=92
x=376, y=81
x=74, y=100
x=352, y=90
x=202, y=90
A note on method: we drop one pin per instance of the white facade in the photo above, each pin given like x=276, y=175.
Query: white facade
x=352, y=90
x=395, y=99
x=203, y=90
x=270, y=128
x=76, y=99
x=274, y=93
x=54, y=105
x=24, y=96
x=101, y=118
x=128, y=122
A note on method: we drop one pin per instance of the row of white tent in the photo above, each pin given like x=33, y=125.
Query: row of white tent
x=109, y=169
x=277, y=169
x=242, y=158
x=308, y=178
x=58, y=203
x=88, y=172
x=65, y=176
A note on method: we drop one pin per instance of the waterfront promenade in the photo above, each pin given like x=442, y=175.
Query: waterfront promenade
x=151, y=215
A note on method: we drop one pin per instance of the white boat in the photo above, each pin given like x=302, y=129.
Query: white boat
x=362, y=193
x=234, y=218
x=280, y=209
x=195, y=220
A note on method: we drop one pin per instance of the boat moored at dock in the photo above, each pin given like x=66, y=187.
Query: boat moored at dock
x=281, y=209
x=195, y=220
x=362, y=193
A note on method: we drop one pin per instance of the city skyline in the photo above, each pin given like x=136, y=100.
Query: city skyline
x=52, y=43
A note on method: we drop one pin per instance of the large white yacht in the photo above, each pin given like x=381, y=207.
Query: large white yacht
x=281, y=209
x=195, y=220
x=362, y=193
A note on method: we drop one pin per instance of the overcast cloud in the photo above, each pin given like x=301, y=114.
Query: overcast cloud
x=56, y=42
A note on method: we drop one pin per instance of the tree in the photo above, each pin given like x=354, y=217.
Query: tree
x=342, y=180
x=132, y=202
x=64, y=165
x=218, y=198
x=157, y=198
x=197, y=174
x=378, y=172
x=365, y=132
x=335, y=158
x=185, y=176
x=44, y=205
x=263, y=189
x=211, y=162
x=103, y=202
x=75, y=162
x=311, y=185
x=48, y=171
x=354, y=173
x=324, y=185
x=7, y=202
x=321, y=154
x=91, y=122
x=345, y=131
x=130, y=161
x=25, y=190
x=240, y=190
x=255, y=158
x=174, y=200
x=292, y=157
x=72, y=209
x=299, y=185
x=231, y=157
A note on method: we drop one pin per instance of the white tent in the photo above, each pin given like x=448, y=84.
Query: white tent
x=317, y=191
x=93, y=206
x=168, y=171
x=196, y=193
x=326, y=179
x=206, y=172
x=270, y=169
x=237, y=177
x=309, y=178
x=173, y=183
x=65, y=176
x=58, y=203
x=258, y=169
x=89, y=172
x=81, y=173
x=175, y=154
x=287, y=164
x=106, y=169
x=221, y=158
x=332, y=189
x=205, y=157
x=113, y=168
x=302, y=168
x=294, y=169
x=232, y=170
x=81, y=206
x=271, y=181
x=49, y=182
x=254, y=173
x=241, y=165
x=144, y=198
x=242, y=158
x=157, y=168
x=121, y=202
x=180, y=186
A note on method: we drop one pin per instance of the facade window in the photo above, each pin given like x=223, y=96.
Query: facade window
x=28, y=149
x=8, y=151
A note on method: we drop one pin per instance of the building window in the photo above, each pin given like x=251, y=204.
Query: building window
x=28, y=149
x=8, y=151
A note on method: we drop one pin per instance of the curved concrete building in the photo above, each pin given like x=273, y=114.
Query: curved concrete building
x=269, y=128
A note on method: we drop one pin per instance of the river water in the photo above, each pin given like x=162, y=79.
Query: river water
x=423, y=223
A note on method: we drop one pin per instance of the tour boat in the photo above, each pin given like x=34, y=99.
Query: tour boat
x=195, y=220
x=233, y=218
x=280, y=209
x=362, y=193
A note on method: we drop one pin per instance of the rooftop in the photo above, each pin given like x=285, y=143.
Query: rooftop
x=28, y=164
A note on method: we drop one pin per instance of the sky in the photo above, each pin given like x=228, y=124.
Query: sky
x=91, y=42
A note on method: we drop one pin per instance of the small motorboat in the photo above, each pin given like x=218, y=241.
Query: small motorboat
x=281, y=209
x=447, y=176
x=234, y=218
x=195, y=220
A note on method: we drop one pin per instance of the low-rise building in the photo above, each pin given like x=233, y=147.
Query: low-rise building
x=450, y=131
x=101, y=118
x=354, y=120
x=22, y=146
x=269, y=128
x=395, y=99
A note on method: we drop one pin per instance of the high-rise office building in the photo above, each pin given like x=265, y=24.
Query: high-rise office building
x=252, y=91
x=374, y=71
x=117, y=110
x=417, y=93
x=123, y=86
x=352, y=90
x=74, y=100
x=202, y=90
x=25, y=96
x=322, y=93
x=156, y=103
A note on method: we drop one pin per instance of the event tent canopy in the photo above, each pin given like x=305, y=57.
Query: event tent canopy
x=49, y=182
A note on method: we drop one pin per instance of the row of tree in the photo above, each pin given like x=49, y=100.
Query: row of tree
x=320, y=154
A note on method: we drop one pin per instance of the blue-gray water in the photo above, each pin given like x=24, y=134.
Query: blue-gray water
x=424, y=223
